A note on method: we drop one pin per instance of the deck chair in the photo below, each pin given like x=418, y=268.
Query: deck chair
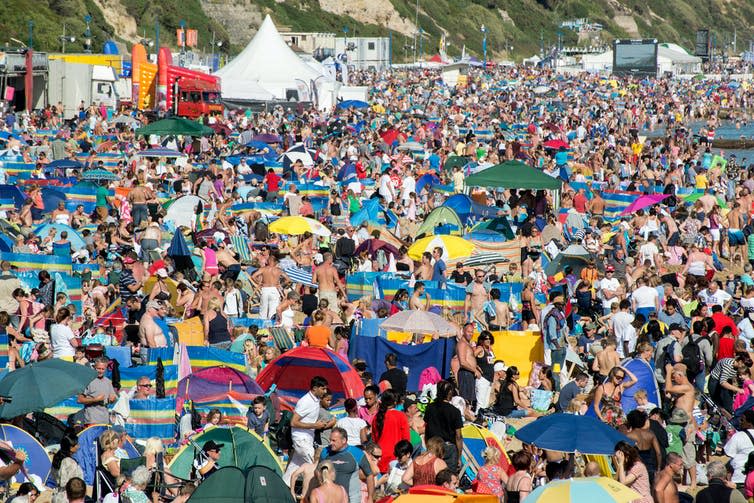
x=283, y=340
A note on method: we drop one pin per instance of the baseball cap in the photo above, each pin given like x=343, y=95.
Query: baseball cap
x=212, y=446
x=162, y=272
x=128, y=260
x=499, y=367
x=609, y=269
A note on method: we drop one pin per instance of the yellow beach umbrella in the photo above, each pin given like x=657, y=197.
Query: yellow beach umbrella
x=453, y=247
x=298, y=225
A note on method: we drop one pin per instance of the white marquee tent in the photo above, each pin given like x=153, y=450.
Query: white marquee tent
x=267, y=69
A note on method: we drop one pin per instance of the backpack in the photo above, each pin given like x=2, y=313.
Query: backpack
x=283, y=432
x=692, y=358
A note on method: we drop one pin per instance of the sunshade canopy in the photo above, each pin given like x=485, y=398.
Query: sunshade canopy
x=512, y=175
x=175, y=126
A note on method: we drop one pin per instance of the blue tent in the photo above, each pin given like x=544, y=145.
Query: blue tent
x=77, y=242
x=426, y=180
x=352, y=104
x=12, y=192
x=87, y=456
x=347, y=173
x=466, y=208
x=375, y=214
x=6, y=243
x=571, y=433
x=51, y=198
x=645, y=381
x=486, y=236
x=63, y=164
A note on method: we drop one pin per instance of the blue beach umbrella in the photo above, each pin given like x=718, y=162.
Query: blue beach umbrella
x=572, y=433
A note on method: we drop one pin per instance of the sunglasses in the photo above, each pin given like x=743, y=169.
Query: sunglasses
x=145, y=385
x=620, y=377
x=377, y=456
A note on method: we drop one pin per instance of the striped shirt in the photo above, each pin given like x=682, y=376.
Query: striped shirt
x=724, y=370
x=126, y=279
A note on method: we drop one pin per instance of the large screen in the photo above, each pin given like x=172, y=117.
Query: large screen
x=702, y=44
x=635, y=57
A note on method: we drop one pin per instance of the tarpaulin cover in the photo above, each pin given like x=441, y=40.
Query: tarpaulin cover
x=432, y=354
x=519, y=349
x=292, y=372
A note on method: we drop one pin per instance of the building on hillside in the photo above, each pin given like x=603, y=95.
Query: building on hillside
x=23, y=77
x=362, y=52
x=319, y=45
x=365, y=52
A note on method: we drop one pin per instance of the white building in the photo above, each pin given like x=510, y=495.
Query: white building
x=365, y=52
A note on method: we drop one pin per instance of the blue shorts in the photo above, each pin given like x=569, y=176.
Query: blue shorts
x=736, y=237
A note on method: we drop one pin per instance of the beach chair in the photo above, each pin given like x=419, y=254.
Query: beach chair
x=283, y=339
x=61, y=250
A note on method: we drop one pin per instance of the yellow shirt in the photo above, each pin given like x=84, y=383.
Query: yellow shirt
x=701, y=181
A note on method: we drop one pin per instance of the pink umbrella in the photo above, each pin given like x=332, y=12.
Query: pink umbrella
x=556, y=144
x=644, y=201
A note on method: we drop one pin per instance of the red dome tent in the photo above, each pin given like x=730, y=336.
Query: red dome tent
x=292, y=372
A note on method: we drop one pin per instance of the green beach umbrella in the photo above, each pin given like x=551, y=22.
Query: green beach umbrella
x=41, y=385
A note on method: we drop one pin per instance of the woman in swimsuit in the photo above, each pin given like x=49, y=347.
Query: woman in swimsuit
x=520, y=483
x=528, y=304
x=608, y=395
x=327, y=491
x=160, y=289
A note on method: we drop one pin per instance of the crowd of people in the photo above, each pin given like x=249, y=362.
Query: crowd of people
x=656, y=303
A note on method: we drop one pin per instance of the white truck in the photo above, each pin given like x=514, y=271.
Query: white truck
x=71, y=83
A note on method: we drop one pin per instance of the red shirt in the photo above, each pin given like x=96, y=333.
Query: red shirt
x=725, y=348
x=579, y=203
x=394, y=429
x=721, y=321
x=272, y=181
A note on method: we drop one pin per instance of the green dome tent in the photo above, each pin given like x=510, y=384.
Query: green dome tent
x=242, y=448
x=442, y=215
x=233, y=485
